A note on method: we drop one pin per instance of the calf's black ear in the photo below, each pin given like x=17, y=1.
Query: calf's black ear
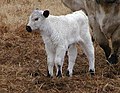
x=46, y=13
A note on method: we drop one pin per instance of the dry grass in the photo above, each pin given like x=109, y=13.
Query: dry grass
x=23, y=58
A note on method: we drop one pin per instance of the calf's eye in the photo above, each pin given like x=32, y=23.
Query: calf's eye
x=36, y=19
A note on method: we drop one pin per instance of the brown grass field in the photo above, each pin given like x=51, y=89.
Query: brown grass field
x=23, y=64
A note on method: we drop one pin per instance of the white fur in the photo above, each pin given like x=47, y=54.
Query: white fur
x=60, y=34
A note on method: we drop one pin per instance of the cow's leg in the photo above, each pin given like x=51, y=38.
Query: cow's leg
x=72, y=54
x=113, y=59
x=59, y=59
x=104, y=44
x=102, y=40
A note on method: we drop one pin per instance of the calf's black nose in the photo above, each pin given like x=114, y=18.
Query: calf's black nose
x=28, y=28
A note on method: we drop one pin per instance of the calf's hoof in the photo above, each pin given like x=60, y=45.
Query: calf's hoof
x=113, y=59
x=92, y=72
x=48, y=75
x=59, y=74
x=68, y=73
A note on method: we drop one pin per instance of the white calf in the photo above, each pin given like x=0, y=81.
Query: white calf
x=60, y=34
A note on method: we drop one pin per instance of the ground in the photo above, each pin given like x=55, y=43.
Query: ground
x=23, y=66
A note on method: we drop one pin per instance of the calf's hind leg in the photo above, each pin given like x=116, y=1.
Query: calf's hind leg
x=88, y=48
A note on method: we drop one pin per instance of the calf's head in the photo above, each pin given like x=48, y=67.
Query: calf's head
x=36, y=19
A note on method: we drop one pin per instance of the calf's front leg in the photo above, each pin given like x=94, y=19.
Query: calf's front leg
x=50, y=63
x=59, y=59
x=50, y=60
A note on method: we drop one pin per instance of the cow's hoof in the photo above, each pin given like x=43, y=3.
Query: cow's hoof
x=113, y=59
x=92, y=72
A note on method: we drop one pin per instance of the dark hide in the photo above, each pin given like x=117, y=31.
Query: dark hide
x=105, y=1
x=110, y=1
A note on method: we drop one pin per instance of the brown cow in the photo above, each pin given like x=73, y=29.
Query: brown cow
x=104, y=17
